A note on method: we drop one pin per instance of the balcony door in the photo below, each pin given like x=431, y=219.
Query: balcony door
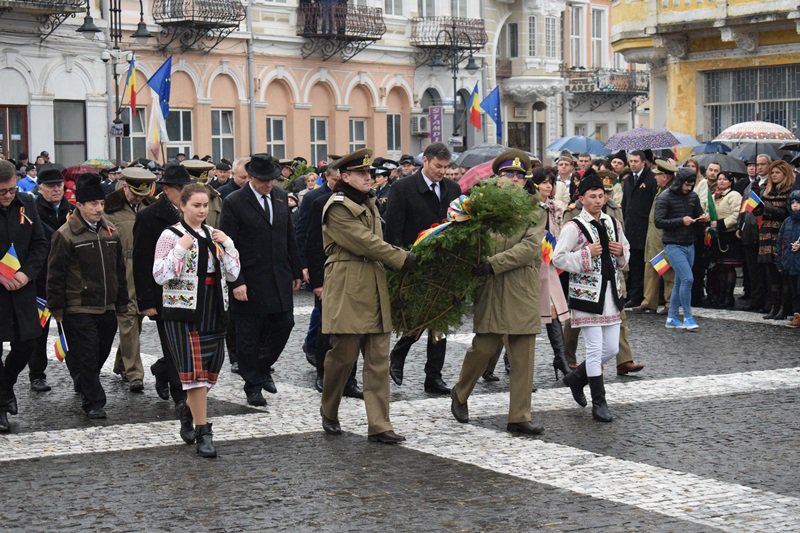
x=13, y=130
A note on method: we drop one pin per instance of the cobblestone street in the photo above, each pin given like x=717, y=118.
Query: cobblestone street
x=705, y=438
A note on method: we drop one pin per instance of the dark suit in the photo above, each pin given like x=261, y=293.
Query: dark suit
x=412, y=207
x=20, y=324
x=229, y=187
x=270, y=262
x=150, y=222
x=637, y=200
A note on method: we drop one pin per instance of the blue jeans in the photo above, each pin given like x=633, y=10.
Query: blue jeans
x=681, y=259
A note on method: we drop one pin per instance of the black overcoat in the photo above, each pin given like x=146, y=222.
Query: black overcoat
x=150, y=223
x=637, y=200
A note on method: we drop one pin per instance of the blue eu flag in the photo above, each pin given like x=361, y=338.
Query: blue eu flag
x=161, y=82
x=491, y=104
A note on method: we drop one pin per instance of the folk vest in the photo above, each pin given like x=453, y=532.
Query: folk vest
x=587, y=289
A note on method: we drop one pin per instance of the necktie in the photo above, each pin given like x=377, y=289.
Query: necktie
x=636, y=179
x=267, y=205
x=435, y=190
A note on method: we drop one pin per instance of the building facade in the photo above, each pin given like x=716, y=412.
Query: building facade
x=714, y=63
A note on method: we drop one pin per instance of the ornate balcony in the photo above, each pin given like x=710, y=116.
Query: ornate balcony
x=503, y=68
x=49, y=13
x=204, y=23
x=332, y=29
x=600, y=85
x=438, y=36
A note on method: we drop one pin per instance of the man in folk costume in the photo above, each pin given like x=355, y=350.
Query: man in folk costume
x=356, y=309
x=593, y=248
x=506, y=306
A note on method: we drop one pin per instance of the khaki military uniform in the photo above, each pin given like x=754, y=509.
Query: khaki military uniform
x=507, y=305
x=356, y=308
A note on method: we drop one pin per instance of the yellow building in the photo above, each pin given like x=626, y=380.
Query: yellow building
x=714, y=63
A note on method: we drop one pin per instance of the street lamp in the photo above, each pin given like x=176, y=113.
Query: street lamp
x=141, y=35
x=447, y=41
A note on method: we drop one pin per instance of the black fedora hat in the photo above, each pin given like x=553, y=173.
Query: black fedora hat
x=175, y=174
x=263, y=167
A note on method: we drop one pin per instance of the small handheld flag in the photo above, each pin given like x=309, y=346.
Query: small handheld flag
x=44, y=312
x=660, y=263
x=548, y=246
x=475, y=109
x=752, y=202
x=9, y=264
x=61, y=347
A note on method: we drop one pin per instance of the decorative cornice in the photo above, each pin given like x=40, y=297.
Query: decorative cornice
x=677, y=46
x=745, y=40
x=528, y=89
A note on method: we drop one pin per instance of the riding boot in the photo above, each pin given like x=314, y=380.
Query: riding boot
x=205, y=441
x=187, y=423
x=576, y=381
x=556, y=336
x=599, y=406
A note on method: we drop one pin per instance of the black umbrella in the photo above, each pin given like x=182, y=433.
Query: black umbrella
x=479, y=154
x=749, y=151
x=726, y=162
x=793, y=146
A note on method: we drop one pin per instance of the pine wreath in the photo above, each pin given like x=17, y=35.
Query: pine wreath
x=439, y=292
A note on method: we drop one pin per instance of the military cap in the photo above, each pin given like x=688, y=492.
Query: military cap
x=140, y=180
x=406, y=159
x=665, y=167
x=609, y=178
x=198, y=168
x=512, y=159
x=358, y=160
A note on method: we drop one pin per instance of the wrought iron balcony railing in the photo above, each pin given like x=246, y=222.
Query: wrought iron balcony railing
x=440, y=32
x=602, y=80
x=49, y=13
x=339, y=29
x=189, y=22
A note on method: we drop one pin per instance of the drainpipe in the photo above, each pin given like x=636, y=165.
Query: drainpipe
x=109, y=66
x=251, y=79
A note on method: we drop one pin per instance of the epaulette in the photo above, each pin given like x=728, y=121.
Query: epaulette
x=338, y=197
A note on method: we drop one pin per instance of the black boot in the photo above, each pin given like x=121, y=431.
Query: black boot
x=506, y=363
x=4, y=425
x=779, y=313
x=599, y=405
x=556, y=335
x=351, y=389
x=773, y=301
x=205, y=441
x=187, y=424
x=576, y=381
x=397, y=358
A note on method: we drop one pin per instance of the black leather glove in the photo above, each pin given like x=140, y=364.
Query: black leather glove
x=411, y=262
x=484, y=269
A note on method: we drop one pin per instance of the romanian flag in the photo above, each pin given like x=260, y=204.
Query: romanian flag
x=430, y=232
x=475, y=108
x=60, y=346
x=752, y=202
x=44, y=312
x=660, y=263
x=548, y=246
x=9, y=264
x=130, y=82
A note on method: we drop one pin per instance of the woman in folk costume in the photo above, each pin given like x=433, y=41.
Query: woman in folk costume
x=194, y=262
x=552, y=303
x=593, y=248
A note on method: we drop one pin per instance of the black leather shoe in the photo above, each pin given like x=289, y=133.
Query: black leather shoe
x=311, y=357
x=96, y=413
x=490, y=377
x=5, y=427
x=387, y=437
x=460, y=410
x=525, y=428
x=436, y=386
x=40, y=385
x=269, y=385
x=318, y=383
x=256, y=398
x=187, y=431
x=162, y=388
x=329, y=425
x=136, y=385
x=396, y=373
x=235, y=368
x=11, y=407
x=205, y=441
x=352, y=390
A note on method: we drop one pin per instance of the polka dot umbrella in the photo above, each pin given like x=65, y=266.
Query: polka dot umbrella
x=756, y=131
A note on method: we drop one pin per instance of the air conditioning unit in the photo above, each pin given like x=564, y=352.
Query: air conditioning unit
x=419, y=125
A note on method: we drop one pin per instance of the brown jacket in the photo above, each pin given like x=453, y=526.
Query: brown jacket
x=508, y=303
x=86, y=270
x=356, y=296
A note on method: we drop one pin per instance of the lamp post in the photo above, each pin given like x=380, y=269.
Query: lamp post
x=89, y=30
x=447, y=41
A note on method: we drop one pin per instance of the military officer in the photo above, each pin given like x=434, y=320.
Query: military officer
x=355, y=302
x=507, y=304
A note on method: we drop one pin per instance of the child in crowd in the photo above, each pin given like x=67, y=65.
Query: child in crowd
x=788, y=254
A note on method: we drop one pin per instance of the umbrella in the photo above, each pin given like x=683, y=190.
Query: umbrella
x=790, y=147
x=684, y=139
x=72, y=173
x=474, y=175
x=711, y=147
x=726, y=162
x=479, y=154
x=641, y=139
x=756, y=131
x=578, y=144
x=98, y=164
x=749, y=151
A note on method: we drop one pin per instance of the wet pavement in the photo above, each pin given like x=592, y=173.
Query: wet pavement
x=705, y=438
